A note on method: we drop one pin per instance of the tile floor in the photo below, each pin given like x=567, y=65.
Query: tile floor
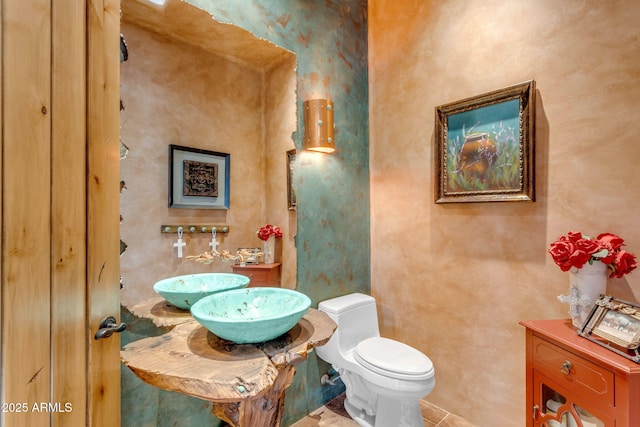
x=334, y=415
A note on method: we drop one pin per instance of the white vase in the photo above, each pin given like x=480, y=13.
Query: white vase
x=586, y=284
x=269, y=250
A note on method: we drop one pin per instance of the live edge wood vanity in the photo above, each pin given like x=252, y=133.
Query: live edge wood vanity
x=246, y=383
x=580, y=376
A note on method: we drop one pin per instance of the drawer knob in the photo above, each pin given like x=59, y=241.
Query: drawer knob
x=566, y=367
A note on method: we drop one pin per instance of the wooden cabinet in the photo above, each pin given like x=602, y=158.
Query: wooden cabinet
x=574, y=382
x=264, y=275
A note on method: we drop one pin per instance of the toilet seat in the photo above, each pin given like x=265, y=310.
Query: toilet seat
x=393, y=359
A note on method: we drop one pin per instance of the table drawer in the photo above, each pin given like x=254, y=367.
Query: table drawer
x=587, y=379
x=258, y=276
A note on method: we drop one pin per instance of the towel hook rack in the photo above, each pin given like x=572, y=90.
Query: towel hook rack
x=194, y=228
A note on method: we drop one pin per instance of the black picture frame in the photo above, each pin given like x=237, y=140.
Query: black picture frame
x=198, y=179
x=291, y=189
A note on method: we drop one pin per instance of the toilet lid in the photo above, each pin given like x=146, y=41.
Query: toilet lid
x=386, y=356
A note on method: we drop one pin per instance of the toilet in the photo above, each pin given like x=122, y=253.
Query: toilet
x=384, y=379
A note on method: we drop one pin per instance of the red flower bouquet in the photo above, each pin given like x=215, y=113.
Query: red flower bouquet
x=269, y=230
x=576, y=249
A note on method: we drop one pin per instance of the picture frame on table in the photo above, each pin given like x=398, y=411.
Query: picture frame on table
x=614, y=324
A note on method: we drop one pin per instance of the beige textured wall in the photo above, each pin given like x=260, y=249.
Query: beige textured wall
x=177, y=94
x=454, y=280
x=280, y=114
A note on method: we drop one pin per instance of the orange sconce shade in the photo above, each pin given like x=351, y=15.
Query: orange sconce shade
x=318, y=126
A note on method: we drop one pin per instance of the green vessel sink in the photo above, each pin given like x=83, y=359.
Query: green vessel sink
x=184, y=291
x=251, y=315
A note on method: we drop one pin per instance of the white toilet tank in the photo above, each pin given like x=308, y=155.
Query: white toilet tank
x=357, y=319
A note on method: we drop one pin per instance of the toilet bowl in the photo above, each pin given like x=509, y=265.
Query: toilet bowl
x=384, y=379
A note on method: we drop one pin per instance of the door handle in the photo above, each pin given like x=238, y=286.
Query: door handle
x=108, y=326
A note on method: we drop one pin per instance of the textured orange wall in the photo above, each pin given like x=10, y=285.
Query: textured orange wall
x=454, y=280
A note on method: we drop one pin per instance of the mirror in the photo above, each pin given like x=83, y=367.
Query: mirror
x=195, y=82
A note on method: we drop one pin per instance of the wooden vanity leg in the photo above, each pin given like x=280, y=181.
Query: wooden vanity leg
x=264, y=410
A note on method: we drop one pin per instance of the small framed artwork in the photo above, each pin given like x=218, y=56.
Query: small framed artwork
x=291, y=189
x=198, y=179
x=614, y=324
x=484, y=147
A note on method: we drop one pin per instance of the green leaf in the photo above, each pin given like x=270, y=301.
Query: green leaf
x=601, y=253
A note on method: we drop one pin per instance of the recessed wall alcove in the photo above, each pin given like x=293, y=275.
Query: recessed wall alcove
x=193, y=81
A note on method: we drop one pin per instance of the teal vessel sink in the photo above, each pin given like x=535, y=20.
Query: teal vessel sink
x=184, y=291
x=251, y=315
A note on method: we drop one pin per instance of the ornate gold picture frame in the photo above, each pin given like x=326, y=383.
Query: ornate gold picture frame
x=484, y=147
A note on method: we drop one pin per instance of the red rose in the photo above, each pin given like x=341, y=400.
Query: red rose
x=613, y=240
x=579, y=258
x=625, y=263
x=561, y=251
x=574, y=236
x=588, y=246
x=611, y=253
x=269, y=230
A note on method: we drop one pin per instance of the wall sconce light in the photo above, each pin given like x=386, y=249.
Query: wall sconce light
x=318, y=126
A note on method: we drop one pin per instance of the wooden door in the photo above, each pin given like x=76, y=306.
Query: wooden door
x=103, y=205
x=59, y=273
x=26, y=205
